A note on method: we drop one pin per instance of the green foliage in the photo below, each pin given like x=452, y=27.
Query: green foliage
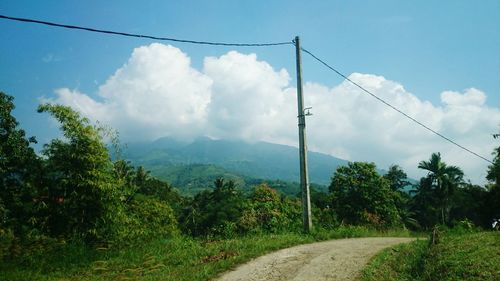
x=124, y=176
x=361, y=196
x=80, y=192
x=176, y=258
x=273, y=214
x=19, y=172
x=145, y=209
x=398, y=263
x=74, y=194
x=163, y=191
x=141, y=219
x=191, y=179
x=494, y=169
x=213, y=212
x=352, y=231
x=88, y=196
x=470, y=203
x=179, y=258
x=459, y=256
x=492, y=201
x=225, y=211
x=424, y=204
x=441, y=183
x=398, y=181
x=397, y=178
x=194, y=178
x=231, y=157
x=443, y=198
x=6, y=242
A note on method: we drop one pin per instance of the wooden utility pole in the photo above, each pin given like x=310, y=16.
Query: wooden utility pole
x=304, y=175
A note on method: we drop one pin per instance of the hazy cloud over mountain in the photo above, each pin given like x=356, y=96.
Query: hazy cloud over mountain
x=159, y=93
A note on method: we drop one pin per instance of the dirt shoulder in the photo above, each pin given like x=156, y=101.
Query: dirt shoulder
x=340, y=259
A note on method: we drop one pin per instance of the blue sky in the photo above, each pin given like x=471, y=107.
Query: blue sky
x=427, y=47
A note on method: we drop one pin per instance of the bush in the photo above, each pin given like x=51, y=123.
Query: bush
x=267, y=207
x=6, y=242
x=208, y=211
x=144, y=217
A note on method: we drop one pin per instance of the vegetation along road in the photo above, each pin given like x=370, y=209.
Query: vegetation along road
x=331, y=260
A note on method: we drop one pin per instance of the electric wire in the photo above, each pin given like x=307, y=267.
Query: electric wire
x=26, y=20
x=395, y=108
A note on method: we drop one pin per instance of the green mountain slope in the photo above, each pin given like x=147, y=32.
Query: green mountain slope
x=237, y=158
x=193, y=178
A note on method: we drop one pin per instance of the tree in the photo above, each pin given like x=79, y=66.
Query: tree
x=443, y=181
x=20, y=169
x=80, y=188
x=397, y=178
x=424, y=203
x=266, y=204
x=492, y=200
x=124, y=176
x=361, y=196
x=469, y=204
x=214, y=212
x=493, y=175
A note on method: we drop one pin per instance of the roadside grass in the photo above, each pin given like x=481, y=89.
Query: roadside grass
x=458, y=256
x=177, y=258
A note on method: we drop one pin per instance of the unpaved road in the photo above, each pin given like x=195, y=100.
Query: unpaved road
x=340, y=259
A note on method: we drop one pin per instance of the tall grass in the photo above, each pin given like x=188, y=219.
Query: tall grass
x=177, y=258
x=458, y=255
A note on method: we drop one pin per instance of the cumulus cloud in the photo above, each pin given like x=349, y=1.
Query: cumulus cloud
x=356, y=126
x=158, y=93
x=247, y=97
x=471, y=97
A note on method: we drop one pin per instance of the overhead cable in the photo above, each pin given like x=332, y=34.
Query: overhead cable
x=144, y=36
x=26, y=20
x=395, y=108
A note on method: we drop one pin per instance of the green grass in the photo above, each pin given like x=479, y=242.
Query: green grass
x=459, y=256
x=179, y=258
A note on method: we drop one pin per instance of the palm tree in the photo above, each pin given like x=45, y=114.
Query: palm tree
x=444, y=179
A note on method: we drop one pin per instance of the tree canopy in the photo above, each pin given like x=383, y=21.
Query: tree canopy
x=361, y=196
x=442, y=181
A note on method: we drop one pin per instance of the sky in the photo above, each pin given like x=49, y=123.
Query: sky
x=438, y=61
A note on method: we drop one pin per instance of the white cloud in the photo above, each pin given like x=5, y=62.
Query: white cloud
x=471, y=97
x=247, y=97
x=158, y=93
x=351, y=122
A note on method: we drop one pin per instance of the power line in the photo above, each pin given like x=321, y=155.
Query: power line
x=144, y=36
x=395, y=108
x=26, y=20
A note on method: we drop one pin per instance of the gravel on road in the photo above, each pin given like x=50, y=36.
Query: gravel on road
x=341, y=259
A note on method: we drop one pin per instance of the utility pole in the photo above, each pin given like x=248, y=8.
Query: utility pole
x=304, y=174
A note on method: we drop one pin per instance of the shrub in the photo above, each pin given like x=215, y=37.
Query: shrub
x=142, y=218
x=6, y=242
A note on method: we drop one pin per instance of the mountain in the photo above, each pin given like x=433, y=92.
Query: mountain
x=259, y=160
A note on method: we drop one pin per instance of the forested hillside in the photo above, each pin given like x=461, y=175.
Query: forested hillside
x=256, y=160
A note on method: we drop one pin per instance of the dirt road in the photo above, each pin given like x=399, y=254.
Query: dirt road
x=331, y=260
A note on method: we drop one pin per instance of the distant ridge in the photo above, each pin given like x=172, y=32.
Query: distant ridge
x=260, y=160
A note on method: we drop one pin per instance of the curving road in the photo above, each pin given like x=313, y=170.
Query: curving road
x=340, y=259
